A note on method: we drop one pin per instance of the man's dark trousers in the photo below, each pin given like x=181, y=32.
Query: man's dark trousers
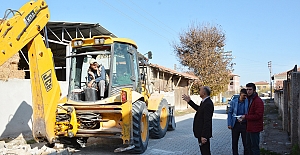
x=239, y=129
x=253, y=143
x=204, y=148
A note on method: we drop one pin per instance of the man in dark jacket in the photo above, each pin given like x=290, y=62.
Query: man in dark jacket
x=202, y=126
x=254, y=119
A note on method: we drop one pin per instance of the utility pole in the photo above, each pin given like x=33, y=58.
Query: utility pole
x=270, y=68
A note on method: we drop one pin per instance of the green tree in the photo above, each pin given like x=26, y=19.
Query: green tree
x=201, y=49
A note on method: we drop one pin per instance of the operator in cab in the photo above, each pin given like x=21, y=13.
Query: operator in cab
x=96, y=77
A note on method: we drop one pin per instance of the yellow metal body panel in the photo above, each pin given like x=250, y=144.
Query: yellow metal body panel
x=135, y=96
x=15, y=33
x=108, y=40
x=154, y=101
x=127, y=117
x=68, y=129
x=45, y=89
x=145, y=93
x=109, y=100
x=114, y=120
x=112, y=99
x=63, y=100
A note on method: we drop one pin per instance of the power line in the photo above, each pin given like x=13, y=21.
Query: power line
x=163, y=37
x=145, y=17
x=152, y=16
x=262, y=62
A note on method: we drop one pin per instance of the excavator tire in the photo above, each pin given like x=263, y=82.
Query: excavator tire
x=159, y=120
x=140, y=126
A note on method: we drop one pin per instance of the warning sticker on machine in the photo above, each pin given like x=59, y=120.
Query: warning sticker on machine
x=47, y=79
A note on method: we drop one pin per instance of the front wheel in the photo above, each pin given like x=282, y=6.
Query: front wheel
x=140, y=126
x=159, y=120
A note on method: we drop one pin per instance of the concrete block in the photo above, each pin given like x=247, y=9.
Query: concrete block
x=9, y=145
x=2, y=144
x=20, y=140
x=58, y=146
x=25, y=147
x=34, y=151
x=18, y=151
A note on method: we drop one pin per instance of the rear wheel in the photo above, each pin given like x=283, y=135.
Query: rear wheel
x=159, y=120
x=140, y=126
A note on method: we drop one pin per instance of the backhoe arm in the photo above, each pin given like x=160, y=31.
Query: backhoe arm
x=19, y=30
x=15, y=33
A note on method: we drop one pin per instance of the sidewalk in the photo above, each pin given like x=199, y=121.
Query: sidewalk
x=221, y=140
x=273, y=137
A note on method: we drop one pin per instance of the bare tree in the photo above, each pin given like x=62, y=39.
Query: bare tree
x=201, y=50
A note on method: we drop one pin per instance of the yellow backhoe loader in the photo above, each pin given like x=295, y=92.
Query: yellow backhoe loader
x=126, y=110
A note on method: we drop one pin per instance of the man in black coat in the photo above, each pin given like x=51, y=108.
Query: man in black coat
x=202, y=125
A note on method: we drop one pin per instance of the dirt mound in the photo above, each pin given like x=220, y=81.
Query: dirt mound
x=10, y=70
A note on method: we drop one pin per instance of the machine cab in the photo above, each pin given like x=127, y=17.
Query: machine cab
x=116, y=57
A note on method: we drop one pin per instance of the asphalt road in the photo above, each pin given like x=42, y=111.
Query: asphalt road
x=178, y=142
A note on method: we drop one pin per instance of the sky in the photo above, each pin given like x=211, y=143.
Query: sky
x=256, y=31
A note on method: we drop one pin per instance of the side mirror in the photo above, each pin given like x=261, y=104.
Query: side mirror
x=149, y=55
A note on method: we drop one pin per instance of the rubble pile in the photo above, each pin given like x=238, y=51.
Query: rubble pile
x=19, y=146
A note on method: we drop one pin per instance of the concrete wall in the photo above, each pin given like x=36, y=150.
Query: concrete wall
x=285, y=105
x=282, y=107
x=288, y=102
x=295, y=87
x=169, y=96
x=16, y=106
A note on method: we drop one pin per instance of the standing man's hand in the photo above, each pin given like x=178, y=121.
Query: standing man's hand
x=186, y=98
x=242, y=117
x=203, y=140
x=229, y=127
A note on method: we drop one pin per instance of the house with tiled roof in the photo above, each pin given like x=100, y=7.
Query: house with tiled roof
x=171, y=83
x=262, y=85
x=279, y=78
